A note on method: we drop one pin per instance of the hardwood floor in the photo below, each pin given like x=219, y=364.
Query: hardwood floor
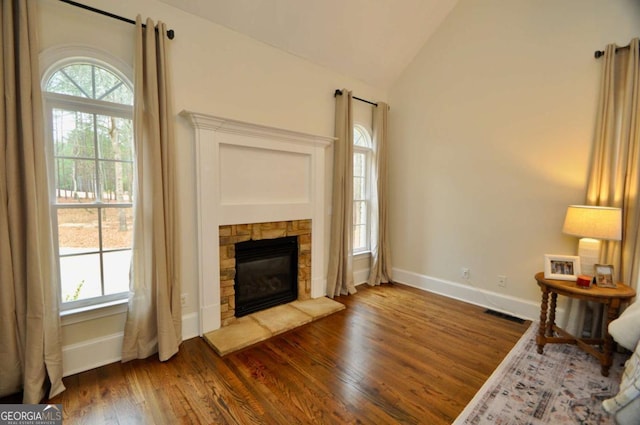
x=395, y=355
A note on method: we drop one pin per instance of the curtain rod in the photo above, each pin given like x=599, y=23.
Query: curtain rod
x=599, y=53
x=338, y=92
x=170, y=33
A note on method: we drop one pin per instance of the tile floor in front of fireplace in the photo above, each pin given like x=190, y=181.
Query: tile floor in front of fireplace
x=262, y=325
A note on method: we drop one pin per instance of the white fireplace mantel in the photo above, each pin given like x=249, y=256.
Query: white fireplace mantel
x=250, y=173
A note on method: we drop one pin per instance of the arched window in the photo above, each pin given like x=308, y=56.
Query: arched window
x=89, y=111
x=362, y=153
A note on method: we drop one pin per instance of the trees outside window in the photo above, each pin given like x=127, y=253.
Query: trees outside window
x=89, y=110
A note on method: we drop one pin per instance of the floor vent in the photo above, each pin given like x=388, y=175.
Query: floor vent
x=504, y=316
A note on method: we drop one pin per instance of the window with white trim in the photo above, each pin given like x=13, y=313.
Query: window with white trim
x=362, y=154
x=89, y=114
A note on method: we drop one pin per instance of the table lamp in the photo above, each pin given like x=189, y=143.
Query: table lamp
x=592, y=224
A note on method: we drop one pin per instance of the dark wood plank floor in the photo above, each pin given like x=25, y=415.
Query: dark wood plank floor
x=395, y=355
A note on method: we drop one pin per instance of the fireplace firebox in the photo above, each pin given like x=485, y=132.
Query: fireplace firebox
x=266, y=274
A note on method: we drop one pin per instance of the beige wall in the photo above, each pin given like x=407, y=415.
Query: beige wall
x=491, y=128
x=215, y=71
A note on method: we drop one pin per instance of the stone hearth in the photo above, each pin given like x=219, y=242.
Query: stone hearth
x=262, y=325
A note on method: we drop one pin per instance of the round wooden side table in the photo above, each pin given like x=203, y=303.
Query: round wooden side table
x=550, y=333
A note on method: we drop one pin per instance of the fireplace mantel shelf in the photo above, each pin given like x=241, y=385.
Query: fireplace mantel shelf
x=227, y=125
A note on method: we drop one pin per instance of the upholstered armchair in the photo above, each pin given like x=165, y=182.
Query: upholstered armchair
x=625, y=330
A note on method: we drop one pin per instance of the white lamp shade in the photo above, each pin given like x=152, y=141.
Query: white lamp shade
x=587, y=221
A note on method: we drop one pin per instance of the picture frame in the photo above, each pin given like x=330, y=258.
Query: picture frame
x=561, y=267
x=604, y=276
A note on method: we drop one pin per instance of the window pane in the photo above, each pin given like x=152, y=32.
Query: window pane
x=90, y=81
x=357, y=137
x=115, y=143
x=73, y=134
x=75, y=181
x=117, y=181
x=110, y=88
x=363, y=213
x=64, y=184
x=117, y=228
x=107, y=180
x=105, y=82
x=78, y=230
x=360, y=138
x=359, y=188
x=72, y=80
x=80, y=76
x=359, y=238
x=116, y=271
x=356, y=238
x=359, y=164
x=119, y=94
x=359, y=212
x=80, y=277
x=115, y=138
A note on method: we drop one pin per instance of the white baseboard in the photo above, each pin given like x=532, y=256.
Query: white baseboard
x=101, y=351
x=319, y=287
x=210, y=318
x=513, y=306
x=189, y=326
x=90, y=354
x=360, y=276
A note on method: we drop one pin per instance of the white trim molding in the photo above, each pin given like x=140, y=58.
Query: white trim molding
x=91, y=353
x=226, y=125
x=58, y=56
x=96, y=352
x=518, y=307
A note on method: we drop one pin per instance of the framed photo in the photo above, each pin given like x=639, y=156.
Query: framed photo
x=604, y=275
x=561, y=267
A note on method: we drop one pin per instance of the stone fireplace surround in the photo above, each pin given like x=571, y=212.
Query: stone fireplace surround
x=232, y=234
x=251, y=173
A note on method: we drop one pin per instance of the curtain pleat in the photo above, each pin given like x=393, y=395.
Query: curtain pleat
x=154, y=318
x=30, y=334
x=380, y=244
x=340, y=271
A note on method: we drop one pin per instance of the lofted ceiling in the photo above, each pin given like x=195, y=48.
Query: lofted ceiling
x=371, y=40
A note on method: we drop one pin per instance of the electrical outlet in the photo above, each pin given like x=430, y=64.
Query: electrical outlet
x=502, y=281
x=464, y=273
x=183, y=300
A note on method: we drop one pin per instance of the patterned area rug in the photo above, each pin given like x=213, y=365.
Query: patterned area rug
x=561, y=386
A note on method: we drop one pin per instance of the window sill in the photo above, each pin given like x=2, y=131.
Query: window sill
x=361, y=254
x=96, y=311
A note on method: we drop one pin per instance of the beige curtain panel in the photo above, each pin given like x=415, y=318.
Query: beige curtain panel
x=30, y=347
x=380, y=244
x=340, y=272
x=154, y=317
x=614, y=178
